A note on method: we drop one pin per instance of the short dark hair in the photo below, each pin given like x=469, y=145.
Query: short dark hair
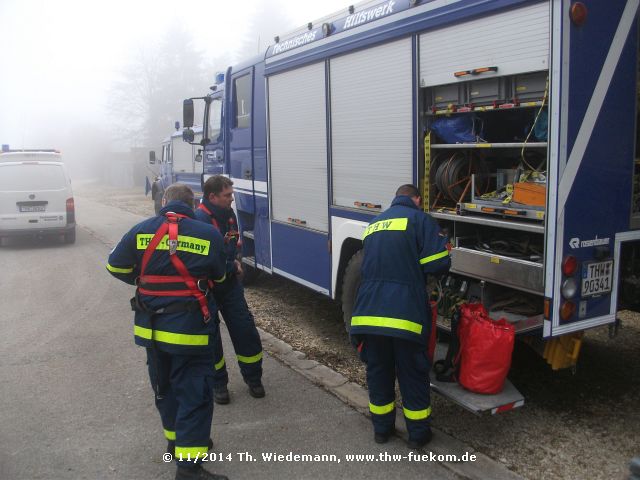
x=180, y=192
x=216, y=185
x=408, y=190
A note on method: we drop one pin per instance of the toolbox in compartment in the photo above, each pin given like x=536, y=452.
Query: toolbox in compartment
x=488, y=91
x=529, y=87
x=445, y=96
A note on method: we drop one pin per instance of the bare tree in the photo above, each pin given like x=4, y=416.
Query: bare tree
x=147, y=99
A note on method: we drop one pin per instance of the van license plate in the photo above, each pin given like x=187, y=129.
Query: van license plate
x=32, y=208
x=597, y=278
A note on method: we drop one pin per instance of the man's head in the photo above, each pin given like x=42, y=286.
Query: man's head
x=219, y=191
x=410, y=191
x=179, y=192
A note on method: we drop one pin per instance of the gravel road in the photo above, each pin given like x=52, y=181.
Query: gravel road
x=573, y=425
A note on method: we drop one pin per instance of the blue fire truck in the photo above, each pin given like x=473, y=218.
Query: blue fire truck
x=516, y=118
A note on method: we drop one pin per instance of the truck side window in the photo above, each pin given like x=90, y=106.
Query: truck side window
x=242, y=101
x=215, y=119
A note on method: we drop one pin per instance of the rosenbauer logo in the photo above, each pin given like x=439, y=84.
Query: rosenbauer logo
x=595, y=242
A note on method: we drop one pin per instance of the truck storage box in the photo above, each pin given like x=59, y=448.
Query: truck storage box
x=445, y=95
x=529, y=87
x=530, y=193
x=487, y=91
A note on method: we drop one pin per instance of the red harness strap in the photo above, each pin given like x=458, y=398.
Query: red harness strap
x=230, y=234
x=214, y=222
x=183, y=279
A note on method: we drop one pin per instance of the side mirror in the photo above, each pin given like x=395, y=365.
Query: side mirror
x=199, y=156
x=188, y=135
x=152, y=157
x=187, y=113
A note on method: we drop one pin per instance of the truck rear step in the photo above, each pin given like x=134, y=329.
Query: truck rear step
x=476, y=403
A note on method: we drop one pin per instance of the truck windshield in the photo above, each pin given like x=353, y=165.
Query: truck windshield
x=31, y=177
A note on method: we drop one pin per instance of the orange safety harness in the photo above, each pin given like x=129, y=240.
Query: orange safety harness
x=182, y=285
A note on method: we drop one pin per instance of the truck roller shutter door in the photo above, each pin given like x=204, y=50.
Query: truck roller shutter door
x=515, y=41
x=371, y=124
x=298, y=147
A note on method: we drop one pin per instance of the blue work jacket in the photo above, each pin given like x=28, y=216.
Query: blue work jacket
x=224, y=219
x=402, y=246
x=200, y=247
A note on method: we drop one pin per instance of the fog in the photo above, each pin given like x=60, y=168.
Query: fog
x=96, y=79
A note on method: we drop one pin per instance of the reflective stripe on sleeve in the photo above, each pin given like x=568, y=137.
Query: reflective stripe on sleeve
x=417, y=414
x=119, y=269
x=169, y=435
x=433, y=258
x=220, y=280
x=396, y=224
x=220, y=364
x=169, y=337
x=252, y=359
x=387, y=322
x=382, y=409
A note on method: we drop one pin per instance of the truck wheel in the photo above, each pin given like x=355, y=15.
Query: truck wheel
x=70, y=237
x=350, y=285
x=157, y=202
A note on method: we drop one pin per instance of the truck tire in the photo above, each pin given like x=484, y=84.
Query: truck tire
x=350, y=285
x=157, y=202
x=70, y=237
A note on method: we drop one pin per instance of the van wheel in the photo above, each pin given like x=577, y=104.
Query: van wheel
x=350, y=285
x=70, y=237
x=157, y=202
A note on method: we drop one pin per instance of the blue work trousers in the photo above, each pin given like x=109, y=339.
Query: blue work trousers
x=387, y=357
x=183, y=385
x=243, y=332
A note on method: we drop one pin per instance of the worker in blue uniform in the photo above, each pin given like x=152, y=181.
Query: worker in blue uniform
x=174, y=260
x=391, y=321
x=216, y=209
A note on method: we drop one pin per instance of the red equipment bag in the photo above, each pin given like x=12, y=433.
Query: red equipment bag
x=485, y=350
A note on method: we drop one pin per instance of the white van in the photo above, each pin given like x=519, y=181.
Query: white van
x=35, y=195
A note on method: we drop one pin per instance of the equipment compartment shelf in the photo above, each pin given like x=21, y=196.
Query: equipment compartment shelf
x=489, y=221
x=440, y=146
x=519, y=274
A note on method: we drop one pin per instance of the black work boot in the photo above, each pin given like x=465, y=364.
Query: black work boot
x=383, y=437
x=197, y=473
x=221, y=395
x=418, y=444
x=256, y=390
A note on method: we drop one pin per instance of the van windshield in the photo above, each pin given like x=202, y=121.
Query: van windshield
x=31, y=176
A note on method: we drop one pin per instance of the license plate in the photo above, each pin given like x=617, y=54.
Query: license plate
x=597, y=278
x=32, y=208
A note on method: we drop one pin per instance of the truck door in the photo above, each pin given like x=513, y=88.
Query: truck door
x=241, y=134
x=214, y=158
x=591, y=156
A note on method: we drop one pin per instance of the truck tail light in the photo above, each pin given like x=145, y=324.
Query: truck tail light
x=569, y=288
x=71, y=211
x=567, y=309
x=569, y=265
